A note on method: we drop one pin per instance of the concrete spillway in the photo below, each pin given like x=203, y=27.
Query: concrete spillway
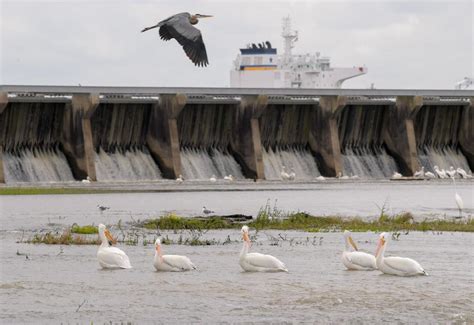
x=119, y=137
x=363, y=149
x=31, y=138
x=108, y=134
x=284, y=132
x=206, y=133
x=437, y=130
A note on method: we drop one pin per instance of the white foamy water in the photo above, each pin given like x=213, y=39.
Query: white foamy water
x=367, y=164
x=128, y=165
x=299, y=160
x=199, y=164
x=443, y=158
x=36, y=165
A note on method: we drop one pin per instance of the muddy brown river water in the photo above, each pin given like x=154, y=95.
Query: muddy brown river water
x=64, y=284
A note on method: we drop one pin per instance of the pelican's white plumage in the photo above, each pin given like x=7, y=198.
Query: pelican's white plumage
x=400, y=266
x=355, y=260
x=111, y=257
x=256, y=262
x=171, y=263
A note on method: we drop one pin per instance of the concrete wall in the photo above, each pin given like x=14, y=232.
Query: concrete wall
x=162, y=137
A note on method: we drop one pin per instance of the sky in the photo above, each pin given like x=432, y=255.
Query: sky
x=424, y=44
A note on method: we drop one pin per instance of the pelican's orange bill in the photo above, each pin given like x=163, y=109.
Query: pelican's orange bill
x=110, y=237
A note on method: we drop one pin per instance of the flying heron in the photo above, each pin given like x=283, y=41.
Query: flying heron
x=180, y=27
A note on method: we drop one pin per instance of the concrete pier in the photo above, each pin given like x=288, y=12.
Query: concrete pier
x=249, y=146
x=248, y=106
x=324, y=140
x=400, y=133
x=77, y=135
x=163, y=137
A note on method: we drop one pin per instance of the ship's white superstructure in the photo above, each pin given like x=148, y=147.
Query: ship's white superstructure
x=260, y=66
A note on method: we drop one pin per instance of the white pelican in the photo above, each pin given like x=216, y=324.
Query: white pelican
x=229, y=178
x=354, y=176
x=401, y=266
x=206, y=210
x=283, y=174
x=256, y=262
x=440, y=172
x=430, y=175
x=87, y=180
x=420, y=173
x=213, y=178
x=180, y=179
x=320, y=178
x=355, y=260
x=111, y=257
x=171, y=263
x=458, y=199
x=451, y=172
x=292, y=175
x=463, y=173
x=396, y=175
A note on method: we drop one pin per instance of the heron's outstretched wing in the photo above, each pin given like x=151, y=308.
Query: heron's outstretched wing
x=190, y=38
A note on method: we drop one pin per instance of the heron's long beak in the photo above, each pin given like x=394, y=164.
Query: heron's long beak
x=148, y=28
x=109, y=236
x=204, y=16
x=351, y=241
x=379, y=246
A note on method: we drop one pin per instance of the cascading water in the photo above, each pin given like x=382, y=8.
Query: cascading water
x=284, y=131
x=36, y=165
x=200, y=164
x=205, y=135
x=30, y=135
x=297, y=160
x=368, y=163
x=119, y=132
x=436, y=131
x=133, y=164
x=362, y=147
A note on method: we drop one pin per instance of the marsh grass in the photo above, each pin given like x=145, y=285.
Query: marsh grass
x=42, y=191
x=84, y=230
x=174, y=222
x=64, y=238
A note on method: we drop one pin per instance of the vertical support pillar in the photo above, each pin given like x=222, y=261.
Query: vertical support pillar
x=3, y=105
x=324, y=136
x=163, y=135
x=249, y=145
x=77, y=135
x=466, y=134
x=400, y=134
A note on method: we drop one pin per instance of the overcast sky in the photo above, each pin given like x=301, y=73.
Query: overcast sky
x=404, y=44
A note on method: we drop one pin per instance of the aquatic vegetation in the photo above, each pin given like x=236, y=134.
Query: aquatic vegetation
x=85, y=230
x=64, y=238
x=306, y=222
x=48, y=190
x=174, y=222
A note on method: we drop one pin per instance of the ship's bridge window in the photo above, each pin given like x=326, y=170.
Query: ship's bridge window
x=246, y=61
x=271, y=60
x=257, y=60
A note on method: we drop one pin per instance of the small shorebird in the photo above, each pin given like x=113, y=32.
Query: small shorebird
x=102, y=208
x=206, y=211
